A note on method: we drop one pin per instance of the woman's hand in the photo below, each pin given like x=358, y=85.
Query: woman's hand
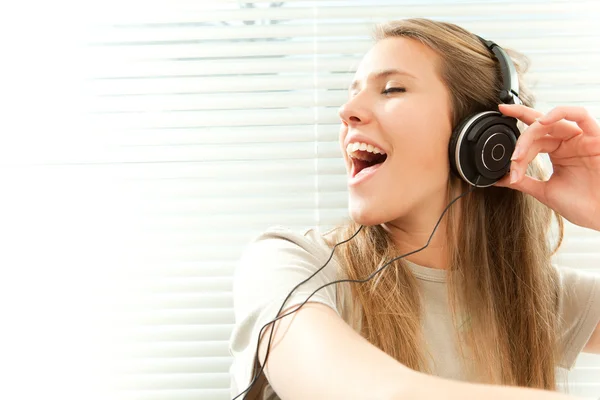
x=571, y=137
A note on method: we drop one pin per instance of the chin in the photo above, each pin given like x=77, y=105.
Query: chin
x=366, y=216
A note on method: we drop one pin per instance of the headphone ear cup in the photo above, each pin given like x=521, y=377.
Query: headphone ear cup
x=481, y=147
x=452, y=153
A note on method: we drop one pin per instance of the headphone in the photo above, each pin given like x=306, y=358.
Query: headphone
x=482, y=144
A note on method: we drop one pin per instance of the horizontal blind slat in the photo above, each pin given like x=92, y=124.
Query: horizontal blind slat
x=185, y=365
x=303, y=48
x=497, y=29
x=145, y=15
x=170, y=350
x=113, y=68
x=193, y=85
x=168, y=381
x=276, y=100
x=174, y=394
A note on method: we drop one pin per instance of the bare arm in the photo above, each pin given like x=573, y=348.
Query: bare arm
x=315, y=354
x=431, y=387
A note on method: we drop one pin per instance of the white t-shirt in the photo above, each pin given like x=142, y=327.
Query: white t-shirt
x=278, y=259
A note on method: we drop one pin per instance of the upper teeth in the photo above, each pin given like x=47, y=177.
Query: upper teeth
x=352, y=147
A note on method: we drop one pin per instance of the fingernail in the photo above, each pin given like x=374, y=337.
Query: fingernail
x=513, y=176
x=516, y=153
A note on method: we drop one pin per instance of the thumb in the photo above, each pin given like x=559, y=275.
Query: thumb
x=526, y=184
x=504, y=182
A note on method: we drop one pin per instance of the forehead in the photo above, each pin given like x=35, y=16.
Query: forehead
x=405, y=54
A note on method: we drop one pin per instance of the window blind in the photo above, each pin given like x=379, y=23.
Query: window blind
x=192, y=127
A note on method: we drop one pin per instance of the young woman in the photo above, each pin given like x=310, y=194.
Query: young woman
x=481, y=312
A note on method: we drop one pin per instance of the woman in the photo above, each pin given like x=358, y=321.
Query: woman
x=481, y=306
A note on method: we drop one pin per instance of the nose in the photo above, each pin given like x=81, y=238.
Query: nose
x=354, y=113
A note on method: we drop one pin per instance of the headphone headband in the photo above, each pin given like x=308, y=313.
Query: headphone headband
x=510, y=79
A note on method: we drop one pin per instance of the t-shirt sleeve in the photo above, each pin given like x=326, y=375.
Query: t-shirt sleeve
x=269, y=268
x=579, y=312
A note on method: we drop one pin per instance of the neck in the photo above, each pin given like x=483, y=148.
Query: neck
x=412, y=231
x=407, y=240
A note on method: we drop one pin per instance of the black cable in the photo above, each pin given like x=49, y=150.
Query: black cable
x=257, y=375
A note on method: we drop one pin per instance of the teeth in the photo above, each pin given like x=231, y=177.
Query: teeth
x=354, y=147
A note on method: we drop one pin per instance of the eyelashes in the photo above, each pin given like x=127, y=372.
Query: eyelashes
x=385, y=91
x=394, y=90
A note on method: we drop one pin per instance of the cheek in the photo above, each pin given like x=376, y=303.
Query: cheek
x=430, y=122
x=421, y=137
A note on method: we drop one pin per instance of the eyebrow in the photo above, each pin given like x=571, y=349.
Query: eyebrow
x=382, y=74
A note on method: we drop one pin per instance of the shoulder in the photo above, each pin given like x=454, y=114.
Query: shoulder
x=278, y=264
x=577, y=288
x=278, y=246
x=279, y=236
x=578, y=310
x=279, y=258
x=572, y=280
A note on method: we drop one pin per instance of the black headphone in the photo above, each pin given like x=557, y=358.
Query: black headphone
x=482, y=144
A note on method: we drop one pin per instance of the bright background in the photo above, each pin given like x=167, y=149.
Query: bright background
x=144, y=143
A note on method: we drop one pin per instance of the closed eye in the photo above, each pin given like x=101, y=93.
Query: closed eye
x=394, y=90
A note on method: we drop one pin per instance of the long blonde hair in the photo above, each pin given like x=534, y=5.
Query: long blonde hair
x=500, y=251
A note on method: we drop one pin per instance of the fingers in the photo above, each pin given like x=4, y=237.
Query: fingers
x=530, y=116
x=560, y=129
x=520, y=112
x=579, y=115
x=548, y=138
x=518, y=167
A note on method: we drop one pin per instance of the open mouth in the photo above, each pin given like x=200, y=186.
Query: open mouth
x=365, y=159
